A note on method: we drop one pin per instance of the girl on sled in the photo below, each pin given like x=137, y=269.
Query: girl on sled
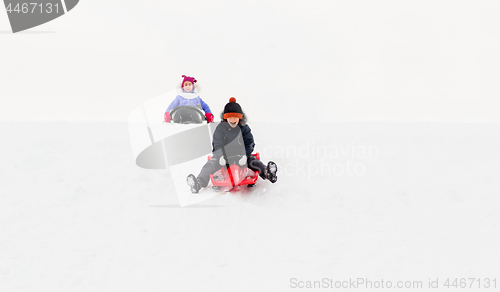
x=188, y=96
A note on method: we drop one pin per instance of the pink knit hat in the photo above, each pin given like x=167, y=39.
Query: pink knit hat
x=187, y=78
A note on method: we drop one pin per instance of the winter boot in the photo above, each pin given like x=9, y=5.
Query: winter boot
x=271, y=171
x=193, y=183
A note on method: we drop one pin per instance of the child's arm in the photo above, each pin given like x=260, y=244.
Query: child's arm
x=173, y=104
x=205, y=106
x=218, y=142
x=248, y=140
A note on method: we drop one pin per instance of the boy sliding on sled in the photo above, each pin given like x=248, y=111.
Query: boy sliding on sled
x=188, y=96
x=228, y=135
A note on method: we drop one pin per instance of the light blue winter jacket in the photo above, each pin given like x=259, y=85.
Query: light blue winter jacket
x=189, y=98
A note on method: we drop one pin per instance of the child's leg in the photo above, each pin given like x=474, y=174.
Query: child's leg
x=209, y=168
x=257, y=165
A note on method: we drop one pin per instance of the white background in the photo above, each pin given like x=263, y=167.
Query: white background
x=283, y=60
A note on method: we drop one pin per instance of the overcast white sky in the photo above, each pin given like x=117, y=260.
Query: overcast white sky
x=282, y=60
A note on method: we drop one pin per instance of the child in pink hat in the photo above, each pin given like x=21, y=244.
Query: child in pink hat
x=189, y=96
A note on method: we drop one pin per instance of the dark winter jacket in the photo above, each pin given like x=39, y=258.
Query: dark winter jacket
x=232, y=141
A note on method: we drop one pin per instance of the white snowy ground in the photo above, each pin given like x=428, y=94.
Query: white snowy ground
x=381, y=201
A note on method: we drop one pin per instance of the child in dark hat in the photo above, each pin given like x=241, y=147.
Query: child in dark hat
x=231, y=136
x=188, y=95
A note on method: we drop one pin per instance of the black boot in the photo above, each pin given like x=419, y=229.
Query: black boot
x=271, y=171
x=194, y=183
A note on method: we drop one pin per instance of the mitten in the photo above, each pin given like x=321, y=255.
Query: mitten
x=243, y=160
x=167, y=117
x=210, y=117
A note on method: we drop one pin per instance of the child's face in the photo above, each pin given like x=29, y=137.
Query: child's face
x=233, y=121
x=188, y=86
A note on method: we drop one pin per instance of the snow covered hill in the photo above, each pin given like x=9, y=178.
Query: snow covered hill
x=377, y=201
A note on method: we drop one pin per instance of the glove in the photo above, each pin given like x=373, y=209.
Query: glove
x=210, y=117
x=222, y=161
x=167, y=117
x=243, y=160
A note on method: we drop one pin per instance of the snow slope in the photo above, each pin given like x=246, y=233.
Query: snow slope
x=391, y=201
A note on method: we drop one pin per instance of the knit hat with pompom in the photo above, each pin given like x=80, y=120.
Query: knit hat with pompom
x=187, y=78
x=233, y=109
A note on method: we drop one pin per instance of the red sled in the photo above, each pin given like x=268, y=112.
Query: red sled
x=234, y=176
